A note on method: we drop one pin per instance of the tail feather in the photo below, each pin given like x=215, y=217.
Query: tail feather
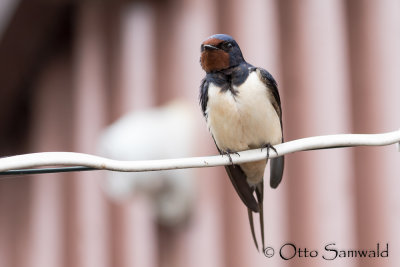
x=251, y=221
x=239, y=181
x=260, y=199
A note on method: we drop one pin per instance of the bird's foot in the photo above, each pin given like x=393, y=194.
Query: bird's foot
x=227, y=153
x=268, y=146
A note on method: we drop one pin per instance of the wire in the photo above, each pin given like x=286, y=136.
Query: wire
x=23, y=164
x=47, y=170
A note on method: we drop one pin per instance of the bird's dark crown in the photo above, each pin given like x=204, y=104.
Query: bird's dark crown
x=220, y=52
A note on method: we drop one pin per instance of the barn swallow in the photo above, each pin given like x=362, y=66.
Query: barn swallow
x=242, y=107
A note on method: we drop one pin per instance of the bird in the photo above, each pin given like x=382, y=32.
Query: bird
x=242, y=108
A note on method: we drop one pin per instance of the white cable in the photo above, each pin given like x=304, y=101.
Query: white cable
x=79, y=159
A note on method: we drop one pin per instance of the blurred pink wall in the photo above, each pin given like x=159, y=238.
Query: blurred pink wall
x=336, y=63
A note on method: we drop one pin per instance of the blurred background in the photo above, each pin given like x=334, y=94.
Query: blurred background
x=70, y=69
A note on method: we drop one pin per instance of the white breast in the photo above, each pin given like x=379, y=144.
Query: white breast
x=246, y=120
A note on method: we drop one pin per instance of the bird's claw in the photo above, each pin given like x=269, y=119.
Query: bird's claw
x=268, y=146
x=227, y=153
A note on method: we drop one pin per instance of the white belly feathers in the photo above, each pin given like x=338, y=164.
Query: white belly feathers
x=245, y=120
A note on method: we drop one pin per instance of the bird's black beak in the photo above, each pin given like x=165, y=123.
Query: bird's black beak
x=210, y=47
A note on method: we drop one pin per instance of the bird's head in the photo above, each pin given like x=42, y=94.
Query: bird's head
x=220, y=52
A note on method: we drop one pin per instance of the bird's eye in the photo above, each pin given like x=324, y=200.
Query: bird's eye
x=202, y=48
x=226, y=46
